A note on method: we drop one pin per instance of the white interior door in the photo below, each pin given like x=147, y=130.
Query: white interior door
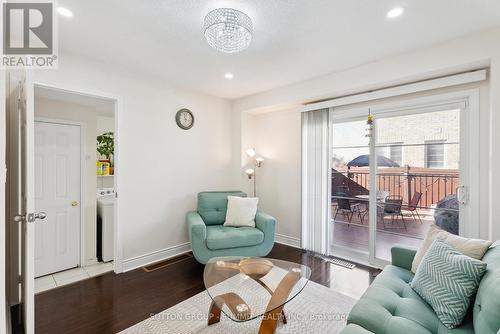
x=57, y=192
x=20, y=182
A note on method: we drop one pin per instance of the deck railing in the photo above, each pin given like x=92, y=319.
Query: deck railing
x=434, y=184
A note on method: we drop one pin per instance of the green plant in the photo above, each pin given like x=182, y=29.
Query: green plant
x=106, y=144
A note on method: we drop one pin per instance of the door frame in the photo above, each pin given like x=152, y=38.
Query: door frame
x=82, y=260
x=118, y=110
x=468, y=100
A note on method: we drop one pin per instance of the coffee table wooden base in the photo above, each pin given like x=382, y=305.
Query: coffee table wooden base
x=235, y=303
x=242, y=311
x=279, y=297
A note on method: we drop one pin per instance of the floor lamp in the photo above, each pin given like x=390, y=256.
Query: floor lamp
x=252, y=172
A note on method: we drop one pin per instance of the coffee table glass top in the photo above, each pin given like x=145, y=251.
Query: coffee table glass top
x=244, y=288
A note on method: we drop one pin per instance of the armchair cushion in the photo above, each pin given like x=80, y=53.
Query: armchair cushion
x=222, y=237
x=212, y=205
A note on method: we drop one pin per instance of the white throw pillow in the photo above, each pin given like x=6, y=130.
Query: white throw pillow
x=241, y=211
x=475, y=248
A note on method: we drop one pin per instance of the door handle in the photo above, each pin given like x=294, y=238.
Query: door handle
x=30, y=217
x=19, y=218
x=462, y=194
x=74, y=203
x=40, y=215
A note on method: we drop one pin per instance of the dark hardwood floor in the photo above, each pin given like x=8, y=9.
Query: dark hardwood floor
x=111, y=303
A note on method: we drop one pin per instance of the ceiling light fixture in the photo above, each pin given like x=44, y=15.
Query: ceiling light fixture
x=229, y=76
x=64, y=12
x=395, y=12
x=228, y=30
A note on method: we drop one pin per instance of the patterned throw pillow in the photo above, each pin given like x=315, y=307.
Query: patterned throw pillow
x=447, y=280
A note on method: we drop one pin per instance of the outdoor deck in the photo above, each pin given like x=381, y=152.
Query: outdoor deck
x=356, y=235
x=352, y=184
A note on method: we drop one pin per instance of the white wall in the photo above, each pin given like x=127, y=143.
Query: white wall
x=105, y=124
x=160, y=168
x=471, y=52
x=277, y=137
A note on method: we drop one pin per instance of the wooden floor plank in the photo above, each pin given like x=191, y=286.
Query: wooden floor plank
x=111, y=303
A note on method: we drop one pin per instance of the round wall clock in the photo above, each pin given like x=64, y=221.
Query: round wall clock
x=184, y=119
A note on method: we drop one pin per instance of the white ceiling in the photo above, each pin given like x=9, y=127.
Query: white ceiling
x=294, y=40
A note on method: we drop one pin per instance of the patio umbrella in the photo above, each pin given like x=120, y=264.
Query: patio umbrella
x=364, y=161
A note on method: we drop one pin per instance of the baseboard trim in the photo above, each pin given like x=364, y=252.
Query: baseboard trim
x=90, y=262
x=160, y=255
x=287, y=240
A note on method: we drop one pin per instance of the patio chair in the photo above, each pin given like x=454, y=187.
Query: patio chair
x=412, y=206
x=346, y=208
x=392, y=208
x=381, y=197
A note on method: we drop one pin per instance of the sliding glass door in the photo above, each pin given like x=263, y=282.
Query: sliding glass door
x=417, y=176
x=350, y=186
x=392, y=180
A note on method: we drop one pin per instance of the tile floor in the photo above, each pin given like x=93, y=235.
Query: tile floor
x=48, y=282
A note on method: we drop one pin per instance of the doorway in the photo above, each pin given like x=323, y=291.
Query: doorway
x=22, y=192
x=406, y=170
x=70, y=179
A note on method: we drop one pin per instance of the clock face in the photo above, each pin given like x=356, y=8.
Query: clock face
x=184, y=119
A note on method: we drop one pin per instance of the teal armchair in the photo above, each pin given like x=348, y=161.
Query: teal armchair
x=210, y=238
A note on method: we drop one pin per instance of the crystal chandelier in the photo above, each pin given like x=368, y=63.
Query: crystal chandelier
x=228, y=30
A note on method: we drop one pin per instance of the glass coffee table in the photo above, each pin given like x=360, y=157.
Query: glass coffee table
x=244, y=288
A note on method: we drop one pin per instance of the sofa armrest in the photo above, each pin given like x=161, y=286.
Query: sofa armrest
x=196, y=227
x=265, y=223
x=402, y=256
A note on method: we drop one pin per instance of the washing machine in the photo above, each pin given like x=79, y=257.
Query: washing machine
x=105, y=224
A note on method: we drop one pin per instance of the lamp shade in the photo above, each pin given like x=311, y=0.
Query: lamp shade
x=250, y=152
x=249, y=171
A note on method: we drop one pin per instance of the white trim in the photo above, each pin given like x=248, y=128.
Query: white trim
x=287, y=240
x=449, y=81
x=372, y=206
x=83, y=181
x=118, y=111
x=469, y=164
x=4, y=272
x=156, y=256
x=356, y=256
x=422, y=105
x=328, y=208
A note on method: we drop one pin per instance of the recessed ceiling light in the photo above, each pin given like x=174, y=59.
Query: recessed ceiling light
x=395, y=12
x=229, y=76
x=64, y=12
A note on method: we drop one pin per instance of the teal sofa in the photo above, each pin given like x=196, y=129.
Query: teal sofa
x=210, y=238
x=390, y=306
